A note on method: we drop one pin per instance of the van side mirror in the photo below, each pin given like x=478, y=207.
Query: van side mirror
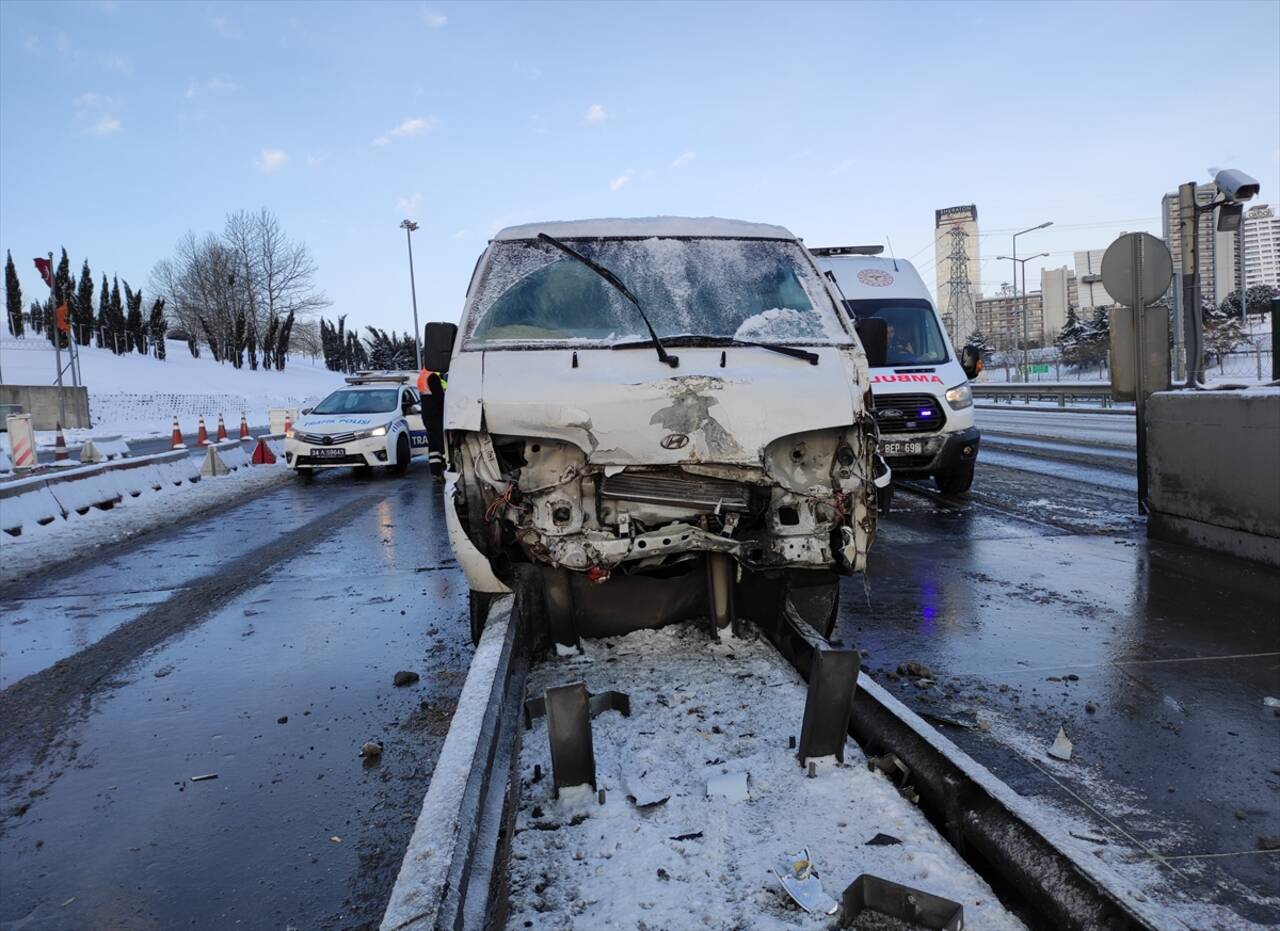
x=437, y=345
x=874, y=335
x=971, y=361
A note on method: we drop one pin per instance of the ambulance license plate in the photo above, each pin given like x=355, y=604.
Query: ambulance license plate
x=329, y=452
x=902, y=447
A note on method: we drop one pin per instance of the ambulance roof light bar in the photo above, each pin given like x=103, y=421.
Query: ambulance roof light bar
x=827, y=251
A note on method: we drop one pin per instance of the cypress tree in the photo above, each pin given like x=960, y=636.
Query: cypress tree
x=282, y=341
x=37, y=317
x=156, y=327
x=103, y=328
x=82, y=321
x=119, y=332
x=134, y=324
x=12, y=296
x=62, y=288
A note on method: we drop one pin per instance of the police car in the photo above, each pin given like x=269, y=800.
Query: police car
x=376, y=420
x=924, y=405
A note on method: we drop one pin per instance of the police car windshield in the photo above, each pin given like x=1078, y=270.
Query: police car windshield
x=914, y=337
x=359, y=402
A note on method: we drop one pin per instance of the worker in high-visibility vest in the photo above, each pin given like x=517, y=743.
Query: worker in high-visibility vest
x=431, y=387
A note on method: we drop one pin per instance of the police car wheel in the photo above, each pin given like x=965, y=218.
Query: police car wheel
x=402, y=455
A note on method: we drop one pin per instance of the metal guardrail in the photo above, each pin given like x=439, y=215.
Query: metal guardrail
x=1058, y=392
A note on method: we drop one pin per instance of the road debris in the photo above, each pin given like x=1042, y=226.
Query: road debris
x=371, y=749
x=732, y=786
x=1269, y=843
x=204, y=778
x=882, y=840
x=405, y=677
x=797, y=876
x=283, y=719
x=335, y=839
x=1061, y=749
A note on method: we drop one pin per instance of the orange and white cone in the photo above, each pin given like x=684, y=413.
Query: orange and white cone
x=60, y=453
x=244, y=427
x=222, y=429
x=202, y=435
x=178, y=441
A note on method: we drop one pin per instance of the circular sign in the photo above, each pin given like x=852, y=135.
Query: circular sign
x=1132, y=257
x=875, y=277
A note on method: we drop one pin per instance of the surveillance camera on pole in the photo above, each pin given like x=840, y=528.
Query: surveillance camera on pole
x=1236, y=185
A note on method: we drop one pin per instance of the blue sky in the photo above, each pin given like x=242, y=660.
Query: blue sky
x=123, y=124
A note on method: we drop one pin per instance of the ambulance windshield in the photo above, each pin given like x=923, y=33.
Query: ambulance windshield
x=914, y=336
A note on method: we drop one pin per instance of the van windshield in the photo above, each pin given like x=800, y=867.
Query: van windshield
x=347, y=401
x=747, y=289
x=914, y=335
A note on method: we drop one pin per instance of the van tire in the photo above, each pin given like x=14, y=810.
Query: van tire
x=957, y=482
x=402, y=456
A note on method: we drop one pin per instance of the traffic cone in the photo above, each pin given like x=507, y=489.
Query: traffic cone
x=222, y=428
x=60, y=453
x=178, y=441
x=202, y=435
x=244, y=427
x=262, y=454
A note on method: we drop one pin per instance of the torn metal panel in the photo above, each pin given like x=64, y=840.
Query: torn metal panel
x=922, y=909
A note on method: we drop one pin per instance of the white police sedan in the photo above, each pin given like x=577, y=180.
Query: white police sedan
x=376, y=420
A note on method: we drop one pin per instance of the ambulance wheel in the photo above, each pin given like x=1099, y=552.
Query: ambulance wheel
x=957, y=482
x=402, y=456
x=478, y=603
x=884, y=499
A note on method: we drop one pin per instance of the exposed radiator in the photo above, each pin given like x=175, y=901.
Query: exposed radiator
x=691, y=491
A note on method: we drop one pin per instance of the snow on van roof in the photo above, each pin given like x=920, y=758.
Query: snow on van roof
x=646, y=227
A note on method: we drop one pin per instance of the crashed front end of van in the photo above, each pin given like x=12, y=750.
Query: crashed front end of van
x=640, y=485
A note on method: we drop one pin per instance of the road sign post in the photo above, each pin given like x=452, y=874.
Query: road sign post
x=1136, y=270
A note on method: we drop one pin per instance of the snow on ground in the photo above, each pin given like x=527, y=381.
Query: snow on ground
x=701, y=709
x=137, y=396
x=40, y=546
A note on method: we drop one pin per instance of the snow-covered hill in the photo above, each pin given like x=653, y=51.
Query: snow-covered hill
x=138, y=396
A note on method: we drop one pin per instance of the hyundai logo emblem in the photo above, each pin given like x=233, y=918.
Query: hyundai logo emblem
x=675, y=441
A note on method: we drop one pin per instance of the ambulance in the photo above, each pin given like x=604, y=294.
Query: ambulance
x=920, y=384
x=375, y=420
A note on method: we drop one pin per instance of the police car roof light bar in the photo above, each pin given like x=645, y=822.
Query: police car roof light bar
x=369, y=378
x=826, y=251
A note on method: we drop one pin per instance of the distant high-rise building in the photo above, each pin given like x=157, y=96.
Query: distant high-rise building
x=1089, y=285
x=1058, y=291
x=1000, y=318
x=1217, y=263
x=1260, y=233
x=945, y=245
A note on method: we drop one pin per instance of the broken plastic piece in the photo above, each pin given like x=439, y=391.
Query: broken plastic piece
x=873, y=894
x=204, y=777
x=643, y=794
x=732, y=786
x=882, y=840
x=796, y=874
x=1061, y=749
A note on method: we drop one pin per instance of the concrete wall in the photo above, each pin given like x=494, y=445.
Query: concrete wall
x=1214, y=467
x=41, y=402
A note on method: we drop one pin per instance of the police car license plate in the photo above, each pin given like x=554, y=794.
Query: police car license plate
x=329, y=452
x=902, y=448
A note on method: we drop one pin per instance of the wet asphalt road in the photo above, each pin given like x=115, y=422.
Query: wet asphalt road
x=1038, y=594
x=176, y=657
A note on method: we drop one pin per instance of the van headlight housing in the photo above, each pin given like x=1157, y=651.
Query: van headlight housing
x=370, y=434
x=960, y=397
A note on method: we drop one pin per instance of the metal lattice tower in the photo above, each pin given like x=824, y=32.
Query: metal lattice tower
x=960, y=312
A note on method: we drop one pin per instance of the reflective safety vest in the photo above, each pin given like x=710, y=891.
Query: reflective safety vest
x=424, y=386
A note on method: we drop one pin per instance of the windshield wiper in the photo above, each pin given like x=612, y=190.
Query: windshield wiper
x=663, y=355
x=690, y=339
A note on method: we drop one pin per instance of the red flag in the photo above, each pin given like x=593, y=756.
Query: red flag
x=60, y=317
x=45, y=269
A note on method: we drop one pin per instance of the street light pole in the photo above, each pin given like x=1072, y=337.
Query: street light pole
x=1026, y=373
x=1030, y=229
x=409, y=226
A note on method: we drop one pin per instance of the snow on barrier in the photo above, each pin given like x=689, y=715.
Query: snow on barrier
x=224, y=458
x=6, y=464
x=48, y=496
x=103, y=448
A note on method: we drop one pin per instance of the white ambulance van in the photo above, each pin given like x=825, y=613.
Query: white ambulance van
x=924, y=406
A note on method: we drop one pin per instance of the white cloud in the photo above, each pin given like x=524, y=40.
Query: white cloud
x=409, y=205
x=596, y=113
x=433, y=18
x=97, y=114
x=271, y=160
x=413, y=126
x=622, y=180
x=684, y=159
x=460, y=234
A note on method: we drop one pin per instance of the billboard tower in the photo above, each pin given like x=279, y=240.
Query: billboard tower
x=959, y=313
